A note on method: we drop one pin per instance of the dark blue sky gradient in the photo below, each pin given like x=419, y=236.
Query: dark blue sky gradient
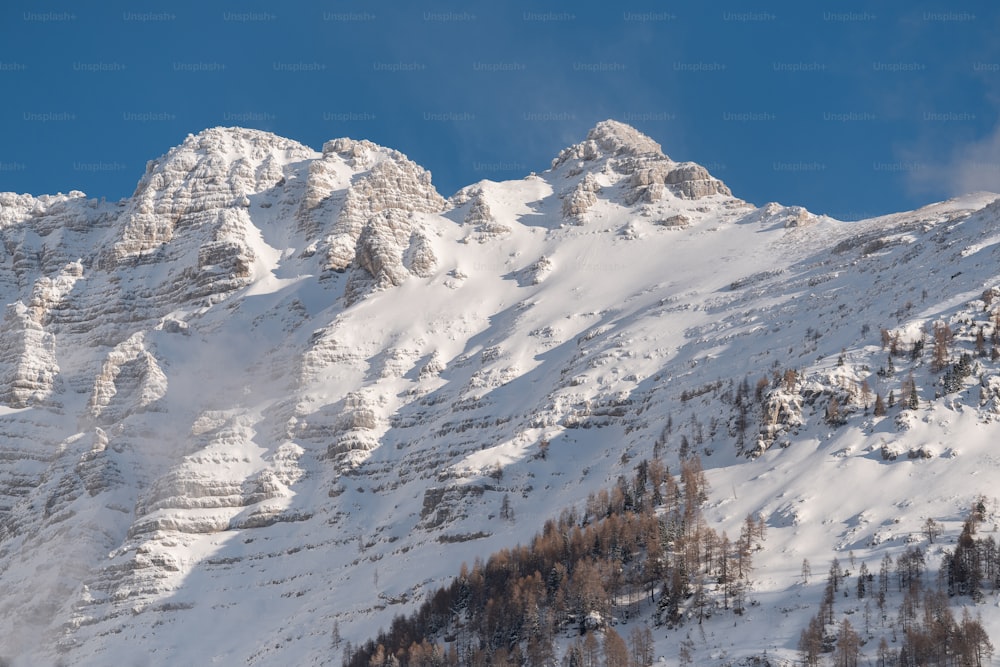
x=850, y=110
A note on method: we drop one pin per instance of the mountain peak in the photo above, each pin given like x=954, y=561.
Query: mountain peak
x=218, y=139
x=616, y=138
x=608, y=139
x=615, y=148
x=213, y=151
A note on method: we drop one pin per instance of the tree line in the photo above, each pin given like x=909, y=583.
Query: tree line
x=641, y=544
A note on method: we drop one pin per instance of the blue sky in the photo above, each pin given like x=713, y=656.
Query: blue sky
x=848, y=109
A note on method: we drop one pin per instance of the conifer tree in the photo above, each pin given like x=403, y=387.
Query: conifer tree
x=879, y=410
x=685, y=653
x=848, y=646
x=591, y=651
x=615, y=650
x=811, y=642
x=863, y=577
x=942, y=338
x=642, y=647
x=885, y=656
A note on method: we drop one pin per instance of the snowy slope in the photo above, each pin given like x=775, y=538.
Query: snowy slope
x=270, y=391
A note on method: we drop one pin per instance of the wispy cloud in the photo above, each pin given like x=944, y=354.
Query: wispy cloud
x=969, y=166
x=975, y=166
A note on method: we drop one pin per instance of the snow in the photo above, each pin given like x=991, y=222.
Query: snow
x=303, y=469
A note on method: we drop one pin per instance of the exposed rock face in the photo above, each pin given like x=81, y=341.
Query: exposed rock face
x=480, y=216
x=781, y=412
x=376, y=225
x=649, y=180
x=130, y=380
x=206, y=181
x=27, y=359
x=692, y=181
x=583, y=196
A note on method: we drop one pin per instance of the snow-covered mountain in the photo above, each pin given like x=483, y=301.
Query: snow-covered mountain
x=279, y=390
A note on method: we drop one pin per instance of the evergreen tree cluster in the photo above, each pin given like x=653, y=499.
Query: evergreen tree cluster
x=954, y=378
x=924, y=629
x=974, y=564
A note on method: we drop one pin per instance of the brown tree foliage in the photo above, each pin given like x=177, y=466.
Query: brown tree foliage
x=942, y=339
x=642, y=537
